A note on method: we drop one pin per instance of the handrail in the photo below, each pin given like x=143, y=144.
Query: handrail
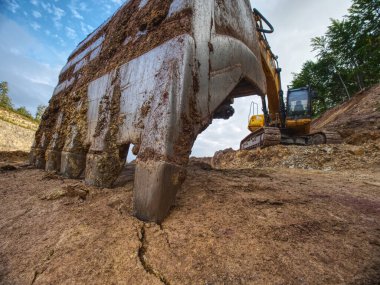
x=261, y=29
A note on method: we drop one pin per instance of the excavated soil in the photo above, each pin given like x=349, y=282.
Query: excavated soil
x=321, y=157
x=233, y=226
x=357, y=120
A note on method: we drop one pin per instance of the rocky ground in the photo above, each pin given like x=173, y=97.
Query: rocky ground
x=281, y=215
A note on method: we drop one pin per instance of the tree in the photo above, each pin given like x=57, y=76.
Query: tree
x=5, y=100
x=24, y=112
x=40, y=111
x=348, y=56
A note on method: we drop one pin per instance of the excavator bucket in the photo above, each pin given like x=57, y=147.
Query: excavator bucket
x=153, y=75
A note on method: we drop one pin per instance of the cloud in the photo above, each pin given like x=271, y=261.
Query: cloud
x=31, y=81
x=295, y=23
x=35, y=26
x=47, y=7
x=86, y=29
x=59, y=39
x=36, y=14
x=34, y=2
x=71, y=33
x=222, y=134
x=76, y=8
x=12, y=5
x=58, y=14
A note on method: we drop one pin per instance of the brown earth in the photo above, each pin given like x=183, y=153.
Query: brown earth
x=280, y=215
x=357, y=120
x=233, y=226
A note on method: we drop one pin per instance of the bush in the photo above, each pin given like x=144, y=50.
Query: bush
x=5, y=101
x=24, y=112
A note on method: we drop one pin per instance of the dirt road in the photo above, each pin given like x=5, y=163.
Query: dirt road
x=249, y=226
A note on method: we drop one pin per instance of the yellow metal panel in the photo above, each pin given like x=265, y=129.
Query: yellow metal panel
x=273, y=80
x=256, y=122
x=300, y=127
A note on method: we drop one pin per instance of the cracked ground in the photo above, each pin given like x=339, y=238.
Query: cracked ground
x=247, y=226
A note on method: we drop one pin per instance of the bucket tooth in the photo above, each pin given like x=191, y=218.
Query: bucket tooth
x=155, y=189
x=73, y=164
x=53, y=160
x=37, y=158
x=102, y=169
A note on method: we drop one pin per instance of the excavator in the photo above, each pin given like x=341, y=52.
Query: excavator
x=286, y=123
x=149, y=80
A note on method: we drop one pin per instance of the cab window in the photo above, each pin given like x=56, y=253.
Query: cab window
x=298, y=103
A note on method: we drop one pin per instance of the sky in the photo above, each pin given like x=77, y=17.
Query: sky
x=37, y=36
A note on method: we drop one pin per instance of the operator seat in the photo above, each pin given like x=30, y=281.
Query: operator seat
x=298, y=108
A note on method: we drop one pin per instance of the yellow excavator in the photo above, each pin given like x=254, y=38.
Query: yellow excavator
x=280, y=123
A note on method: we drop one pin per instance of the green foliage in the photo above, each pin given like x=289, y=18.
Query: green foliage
x=348, y=56
x=40, y=111
x=5, y=100
x=24, y=112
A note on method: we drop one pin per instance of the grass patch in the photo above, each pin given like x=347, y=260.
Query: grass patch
x=16, y=119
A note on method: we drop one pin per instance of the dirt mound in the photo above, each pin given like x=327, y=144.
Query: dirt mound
x=322, y=157
x=357, y=120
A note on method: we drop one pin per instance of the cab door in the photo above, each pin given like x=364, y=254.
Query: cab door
x=299, y=111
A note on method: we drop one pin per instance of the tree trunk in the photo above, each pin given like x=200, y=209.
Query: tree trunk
x=344, y=84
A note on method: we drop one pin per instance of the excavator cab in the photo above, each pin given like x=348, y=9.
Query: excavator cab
x=299, y=110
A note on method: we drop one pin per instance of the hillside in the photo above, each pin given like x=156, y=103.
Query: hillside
x=16, y=131
x=357, y=120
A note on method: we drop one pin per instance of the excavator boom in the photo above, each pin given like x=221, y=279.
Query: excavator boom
x=280, y=124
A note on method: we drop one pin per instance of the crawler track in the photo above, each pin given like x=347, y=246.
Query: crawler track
x=263, y=137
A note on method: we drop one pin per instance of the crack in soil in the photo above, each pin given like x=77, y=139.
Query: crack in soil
x=38, y=272
x=141, y=254
x=165, y=235
x=35, y=277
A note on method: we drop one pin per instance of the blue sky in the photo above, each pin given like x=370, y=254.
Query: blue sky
x=37, y=36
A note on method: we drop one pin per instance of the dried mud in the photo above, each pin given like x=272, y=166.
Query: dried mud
x=242, y=226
